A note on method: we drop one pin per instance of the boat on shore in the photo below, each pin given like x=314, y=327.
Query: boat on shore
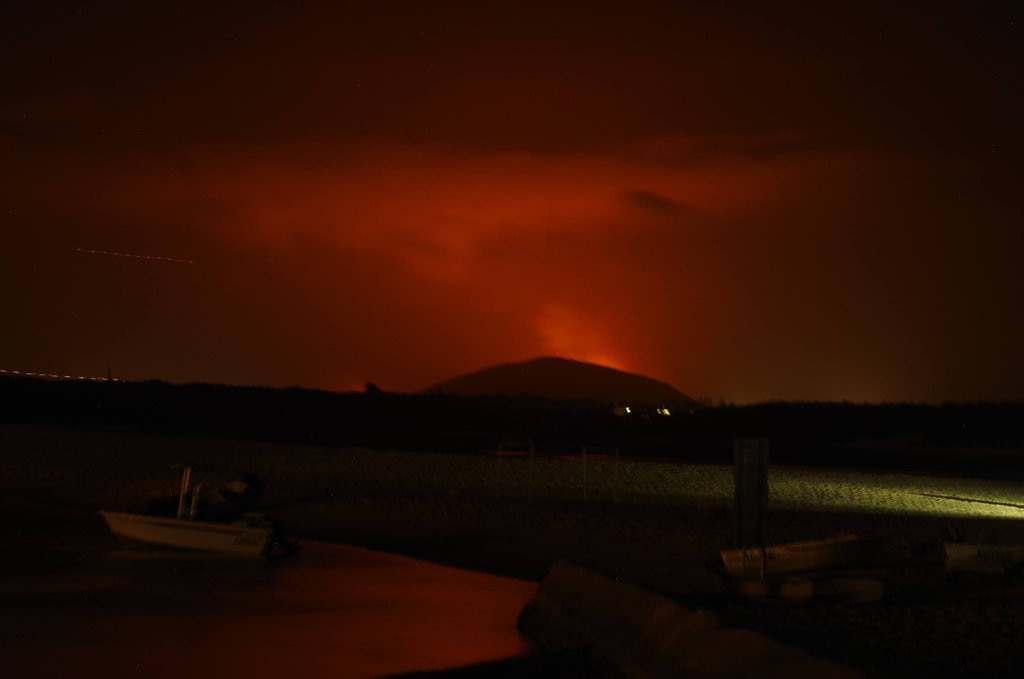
x=249, y=536
x=795, y=557
x=252, y=534
x=976, y=557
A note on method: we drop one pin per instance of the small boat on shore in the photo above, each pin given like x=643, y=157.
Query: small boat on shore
x=794, y=557
x=975, y=557
x=252, y=534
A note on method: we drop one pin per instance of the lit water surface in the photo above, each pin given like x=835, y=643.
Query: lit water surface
x=335, y=611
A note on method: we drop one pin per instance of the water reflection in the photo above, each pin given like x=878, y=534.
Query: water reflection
x=333, y=612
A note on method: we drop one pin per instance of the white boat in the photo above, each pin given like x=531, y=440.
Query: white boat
x=794, y=557
x=251, y=535
x=973, y=557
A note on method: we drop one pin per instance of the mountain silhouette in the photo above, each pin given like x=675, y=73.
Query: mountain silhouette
x=562, y=379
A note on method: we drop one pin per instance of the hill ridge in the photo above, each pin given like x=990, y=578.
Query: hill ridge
x=564, y=379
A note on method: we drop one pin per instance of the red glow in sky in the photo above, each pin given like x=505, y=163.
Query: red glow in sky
x=747, y=203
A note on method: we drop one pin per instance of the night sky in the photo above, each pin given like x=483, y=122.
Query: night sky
x=752, y=201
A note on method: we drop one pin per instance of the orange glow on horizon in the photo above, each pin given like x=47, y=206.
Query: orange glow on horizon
x=424, y=262
x=746, y=202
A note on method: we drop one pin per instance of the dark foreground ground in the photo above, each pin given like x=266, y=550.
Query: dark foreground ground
x=924, y=623
x=903, y=616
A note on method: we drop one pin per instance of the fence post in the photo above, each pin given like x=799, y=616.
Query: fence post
x=584, y=473
x=497, y=480
x=616, y=477
x=529, y=485
x=750, y=474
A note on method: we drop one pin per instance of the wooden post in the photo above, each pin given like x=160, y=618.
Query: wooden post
x=186, y=481
x=584, y=473
x=529, y=485
x=497, y=480
x=616, y=477
x=751, y=497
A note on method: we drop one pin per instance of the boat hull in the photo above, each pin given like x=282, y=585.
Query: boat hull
x=794, y=557
x=244, y=538
x=983, y=558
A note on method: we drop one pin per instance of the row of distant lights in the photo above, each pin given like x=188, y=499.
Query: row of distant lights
x=84, y=378
x=53, y=376
x=660, y=411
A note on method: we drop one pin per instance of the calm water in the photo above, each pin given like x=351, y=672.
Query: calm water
x=334, y=611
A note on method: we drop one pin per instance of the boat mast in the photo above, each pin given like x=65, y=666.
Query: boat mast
x=186, y=481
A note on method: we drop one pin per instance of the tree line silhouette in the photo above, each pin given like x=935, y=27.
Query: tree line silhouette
x=964, y=438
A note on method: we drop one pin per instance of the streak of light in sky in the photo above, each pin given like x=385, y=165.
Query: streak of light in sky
x=131, y=255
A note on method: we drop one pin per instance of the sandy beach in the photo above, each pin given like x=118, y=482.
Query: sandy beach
x=518, y=517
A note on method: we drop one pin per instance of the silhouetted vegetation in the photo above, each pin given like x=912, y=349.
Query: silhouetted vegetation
x=965, y=437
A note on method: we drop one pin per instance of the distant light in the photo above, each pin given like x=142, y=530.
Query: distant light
x=663, y=411
x=628, y=410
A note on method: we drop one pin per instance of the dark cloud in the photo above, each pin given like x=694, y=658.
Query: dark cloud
x=655, y=203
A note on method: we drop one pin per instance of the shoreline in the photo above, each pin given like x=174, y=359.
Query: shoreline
x=925, y=623
x=972, y=625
